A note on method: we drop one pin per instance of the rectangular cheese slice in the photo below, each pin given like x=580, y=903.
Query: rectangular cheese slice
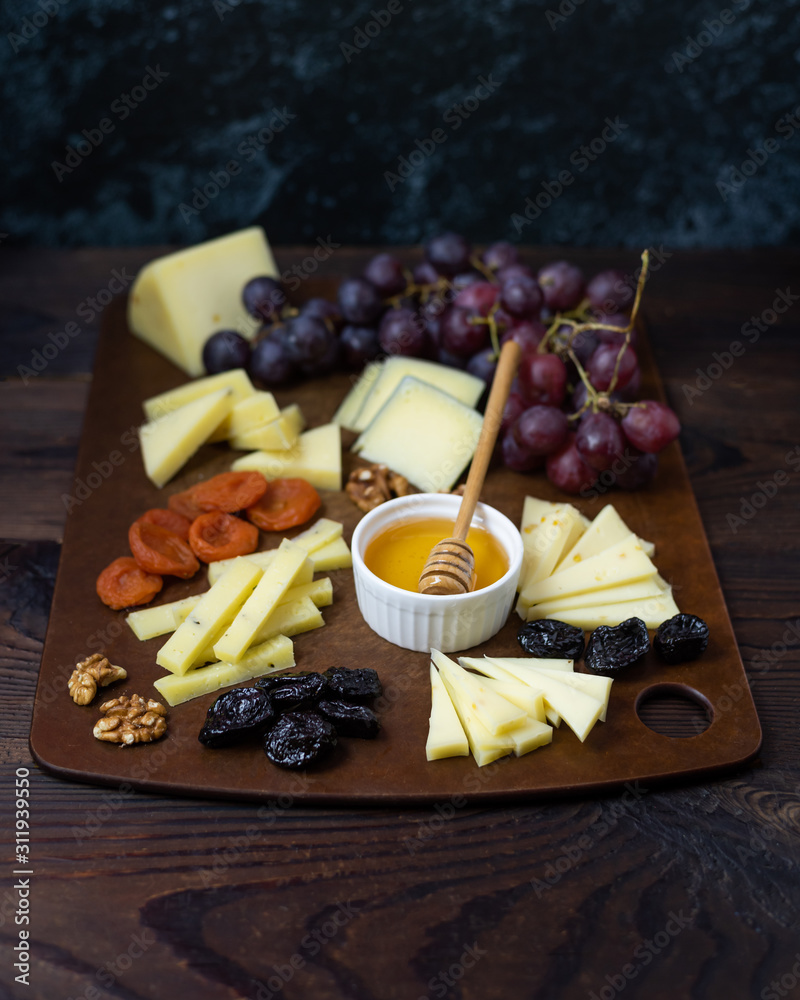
x=494, y=711
x=334, y=555
x=269, y=657
x=274, y=583
x=624, y=562
x=460, y=385
x=346, y=415
x=170, y=441
x=217, y=606
x=315, y=456
x=424, y=434
x=179, y=300
x=151, y=622
x=606, y=530
x=290, y=618
x=446, y=736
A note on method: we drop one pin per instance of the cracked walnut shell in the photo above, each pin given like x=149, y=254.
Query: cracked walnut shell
x=130, y=720
x=90, y=674
x=369, y=487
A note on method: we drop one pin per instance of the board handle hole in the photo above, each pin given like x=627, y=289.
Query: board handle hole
x=674, y=710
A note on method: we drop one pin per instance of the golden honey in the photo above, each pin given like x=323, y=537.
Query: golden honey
x=398, y=554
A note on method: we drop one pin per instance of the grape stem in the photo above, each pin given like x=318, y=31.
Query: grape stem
x=594, y=399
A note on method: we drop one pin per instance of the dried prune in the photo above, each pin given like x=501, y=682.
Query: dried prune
x=235, y=715
x=359, y=684
x=299, y=739
x=613, y=647
x=294, y=690
x=681, y=638
x=551, y=639
x=350, y=719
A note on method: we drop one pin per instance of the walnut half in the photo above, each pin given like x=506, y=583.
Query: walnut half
x=131, y=720
x=369, y=487
x=90, y=674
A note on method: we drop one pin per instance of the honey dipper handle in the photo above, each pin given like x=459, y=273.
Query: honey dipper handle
x=493, y=417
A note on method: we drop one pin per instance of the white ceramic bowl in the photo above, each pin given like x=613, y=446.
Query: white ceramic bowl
x=421, y=621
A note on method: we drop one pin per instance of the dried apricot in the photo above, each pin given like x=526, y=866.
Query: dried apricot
x=169, y=519
x=286, y=504
x=158, y=550
x=217, y=535
x=229, y=491
x=183, y=504
x=123, y=584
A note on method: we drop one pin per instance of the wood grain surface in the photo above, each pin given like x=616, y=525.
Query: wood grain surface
x=683, y=892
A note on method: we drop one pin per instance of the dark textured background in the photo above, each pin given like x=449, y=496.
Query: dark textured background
x=232, y=63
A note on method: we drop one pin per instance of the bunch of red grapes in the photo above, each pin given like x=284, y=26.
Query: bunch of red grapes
x=573, y=408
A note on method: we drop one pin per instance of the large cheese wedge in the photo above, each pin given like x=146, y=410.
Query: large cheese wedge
x=606, y=530
x=624, y=562
x=446, y=736
x=346, y=415
x=271, y=656
x=494, y=711
x=316, y=456
x=178, y=301
x=170, y=441
x=274, y=583
x=461, y=385
x=236, y=380
x=217, y=606
x=652, y=611
x=424, y=434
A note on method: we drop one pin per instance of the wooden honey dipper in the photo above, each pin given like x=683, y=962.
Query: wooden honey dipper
x=450, y=567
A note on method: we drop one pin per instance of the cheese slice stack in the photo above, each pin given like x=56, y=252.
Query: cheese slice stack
x=588, y=573
x=498, y=705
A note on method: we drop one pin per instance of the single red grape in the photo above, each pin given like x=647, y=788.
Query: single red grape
x=542, y=379
x=567, y=470
x=650, y=426
x=541, y=430
x=603, y=362
x=599, y=440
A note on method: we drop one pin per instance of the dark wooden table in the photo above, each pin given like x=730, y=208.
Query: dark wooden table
x=690, y=891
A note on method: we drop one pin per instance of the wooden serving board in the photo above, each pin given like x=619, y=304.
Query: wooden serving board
x=111, y=490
